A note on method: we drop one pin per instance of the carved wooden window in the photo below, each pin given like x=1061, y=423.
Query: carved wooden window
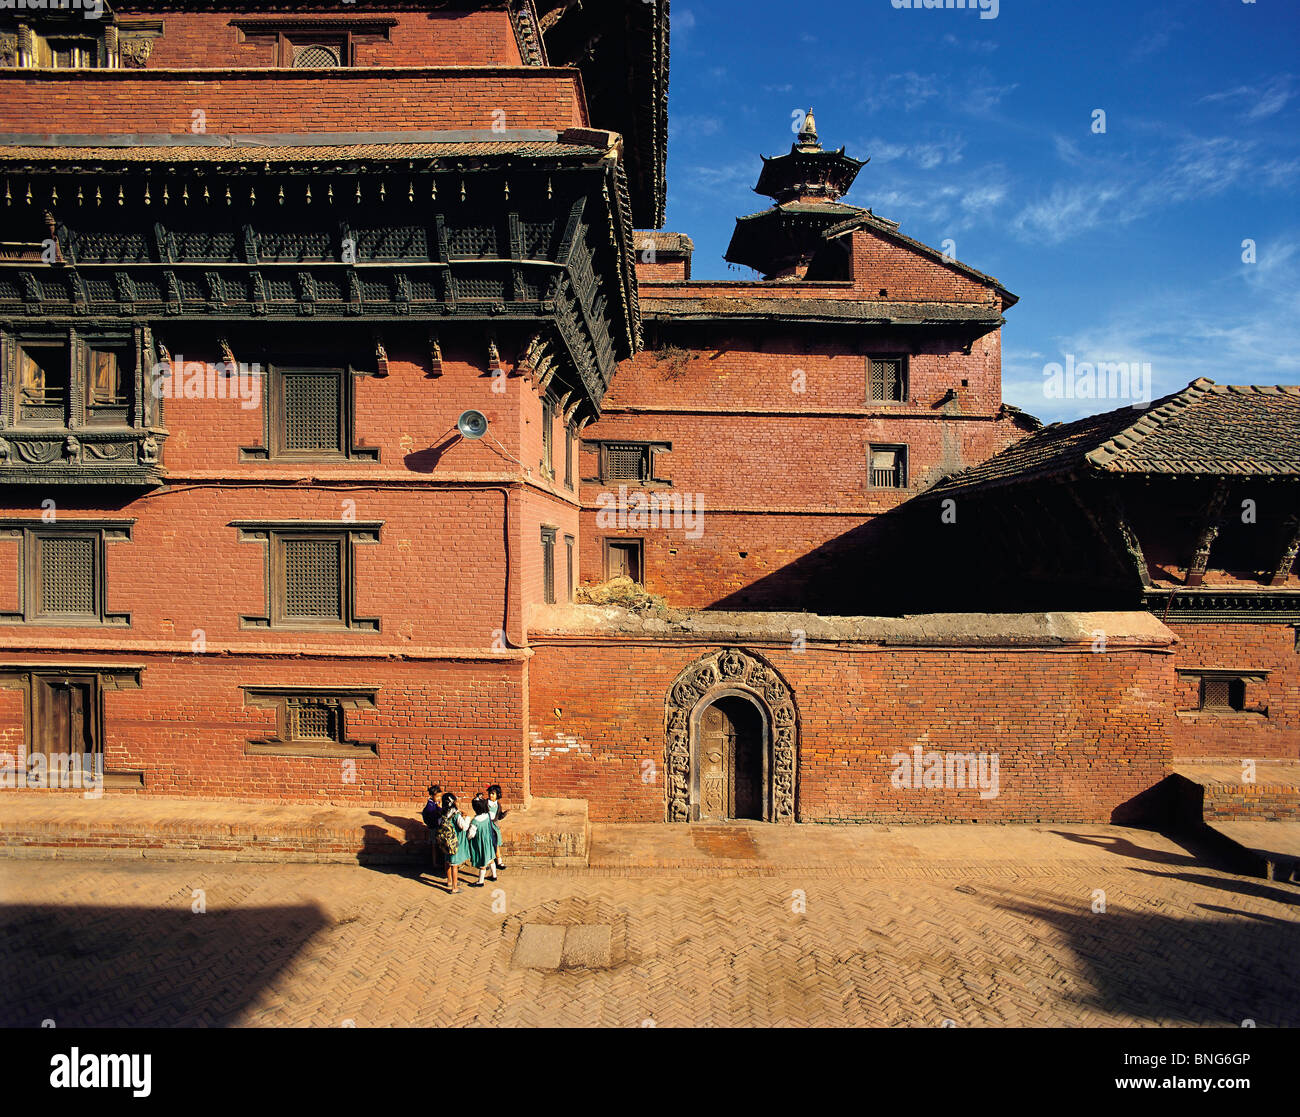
x=548, y=430
x=314, y=719
x=110, y=378
x=1223, y=694
x=624, y=558
x=44, y=383
x=308, y=413
x=570, y=558
x=66, y=576
x=318, y=55
x=60, y=572
x=548, y=565
x=311, y=572
x=310, y=721
x=626, y=462
x=69, y=54
x=887, y=379
x=888, y=467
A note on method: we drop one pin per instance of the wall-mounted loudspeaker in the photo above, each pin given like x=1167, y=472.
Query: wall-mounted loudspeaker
x=472, y=424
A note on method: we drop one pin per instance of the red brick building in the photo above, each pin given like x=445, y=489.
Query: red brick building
x=267, y=263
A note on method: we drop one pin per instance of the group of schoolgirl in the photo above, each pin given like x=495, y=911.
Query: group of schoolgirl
x=472, y=839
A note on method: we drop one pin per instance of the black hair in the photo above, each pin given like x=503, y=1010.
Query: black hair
x=448, y=801
x=479, y=804
x=434, y=789
x=495, y=787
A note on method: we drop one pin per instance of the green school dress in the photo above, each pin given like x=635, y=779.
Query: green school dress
x=481, y=849
x=462, y=846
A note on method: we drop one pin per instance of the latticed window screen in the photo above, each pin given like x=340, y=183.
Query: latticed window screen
x=316, y=55
x=1223, y=693
x=68, y=576
x=313, y=578
x=315, y=721
x=311, y=411
x=887, y=379
x=627, y=463
x=548, y=565
x=888, y=467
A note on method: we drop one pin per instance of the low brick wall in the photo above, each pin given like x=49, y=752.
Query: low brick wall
x=1076, y=733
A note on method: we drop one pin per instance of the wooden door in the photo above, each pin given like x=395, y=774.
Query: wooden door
x=717, y=747
x=64, y=716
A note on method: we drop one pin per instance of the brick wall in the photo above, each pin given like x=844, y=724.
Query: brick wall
x=1245, y=647
x=1076, y=734
x=115, y=101
x=210, y=39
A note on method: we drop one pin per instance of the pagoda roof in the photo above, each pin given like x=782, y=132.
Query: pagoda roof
x=777, y=237
x=808, y=172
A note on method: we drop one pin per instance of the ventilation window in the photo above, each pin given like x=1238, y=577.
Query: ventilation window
x=627, y=463
x=310, y=415
x=67, y=576
x=888, y=467
x=887, y=379
x=1223, y=694
x=314, y=721
x=73, y=54
x=317, y=56
x=313, y=579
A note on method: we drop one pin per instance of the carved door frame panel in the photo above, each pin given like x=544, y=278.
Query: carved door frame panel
x=765, y=744
x=731, y=672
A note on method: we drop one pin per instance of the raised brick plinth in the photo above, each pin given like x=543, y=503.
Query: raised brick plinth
x=552, y=832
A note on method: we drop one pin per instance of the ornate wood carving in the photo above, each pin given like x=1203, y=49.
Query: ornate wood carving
x=699, y=684
x=1289, y=553
x=1209, y=533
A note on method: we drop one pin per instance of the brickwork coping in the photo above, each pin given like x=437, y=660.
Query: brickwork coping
x=1134, y=630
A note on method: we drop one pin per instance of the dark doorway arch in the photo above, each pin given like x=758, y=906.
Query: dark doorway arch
x=731, y=766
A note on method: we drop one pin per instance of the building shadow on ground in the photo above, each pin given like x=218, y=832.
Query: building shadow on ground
x=99, y=966
x=1201, y=970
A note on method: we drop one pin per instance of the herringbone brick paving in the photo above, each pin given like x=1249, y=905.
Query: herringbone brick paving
x=873, y=942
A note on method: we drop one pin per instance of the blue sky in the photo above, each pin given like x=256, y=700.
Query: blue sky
x=1124, y=245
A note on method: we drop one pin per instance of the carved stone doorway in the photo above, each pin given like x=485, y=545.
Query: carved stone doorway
x=731, y=721
x=731, y=761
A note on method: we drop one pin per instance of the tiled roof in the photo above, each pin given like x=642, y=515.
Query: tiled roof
x=1206, y=428
x=281, y=154
x=665, y=243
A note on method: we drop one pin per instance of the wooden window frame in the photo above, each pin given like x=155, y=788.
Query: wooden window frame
x=611, y=542
x=277, y=417
x=283, y=699
x=652, y=450
x=549, y=411
x=273, y=537
x=30, y=536
x=570, y=446
x=570, y=551
x=1244, y=676
x=904, y=377
x=904, y=468
x=138, y=409
x=548, y=564
x=75, y=383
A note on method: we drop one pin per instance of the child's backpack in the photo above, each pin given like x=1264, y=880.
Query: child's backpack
x=448, y=839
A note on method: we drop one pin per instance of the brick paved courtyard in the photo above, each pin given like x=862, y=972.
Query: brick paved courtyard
x=914, y=936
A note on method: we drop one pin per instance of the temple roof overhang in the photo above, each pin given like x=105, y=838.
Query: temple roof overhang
x=531, y=230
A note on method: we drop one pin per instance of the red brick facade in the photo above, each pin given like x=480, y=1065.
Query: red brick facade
x=756, y=397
